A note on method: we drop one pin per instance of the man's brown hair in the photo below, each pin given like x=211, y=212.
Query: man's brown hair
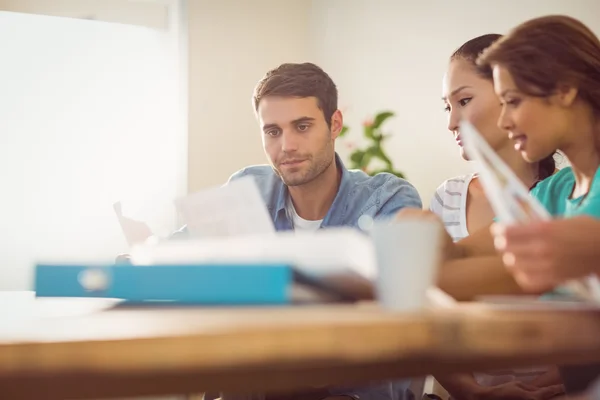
x=545, y=52
x=299, y=80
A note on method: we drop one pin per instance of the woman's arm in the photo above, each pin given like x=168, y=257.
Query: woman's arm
x=461, y=386
x=480, y=243
x=470, y=267
x=470, y=277
x=476, y=269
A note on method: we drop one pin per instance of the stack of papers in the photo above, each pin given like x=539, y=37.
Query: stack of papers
x=230, y=226
x=340, y=259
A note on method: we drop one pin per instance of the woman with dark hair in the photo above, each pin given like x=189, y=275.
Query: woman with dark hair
x=468, y=93
x=547, y=76
x=461, y=203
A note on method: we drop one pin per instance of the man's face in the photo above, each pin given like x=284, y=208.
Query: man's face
x=296, y=138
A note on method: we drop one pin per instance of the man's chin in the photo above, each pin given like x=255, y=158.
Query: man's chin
x=294, y=179
x=294, y=182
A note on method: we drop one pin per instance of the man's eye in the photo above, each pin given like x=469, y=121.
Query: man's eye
x=447, y=108
x=303, y=127
x=273, y=132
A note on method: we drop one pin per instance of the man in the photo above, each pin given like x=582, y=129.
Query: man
x=307, y=187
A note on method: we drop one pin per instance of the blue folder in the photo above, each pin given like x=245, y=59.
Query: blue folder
x=182, y=284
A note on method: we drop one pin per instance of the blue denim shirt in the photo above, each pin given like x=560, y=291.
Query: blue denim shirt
x=380, y=196
x=359, y=194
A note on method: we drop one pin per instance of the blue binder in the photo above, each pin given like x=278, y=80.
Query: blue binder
x=181, y=284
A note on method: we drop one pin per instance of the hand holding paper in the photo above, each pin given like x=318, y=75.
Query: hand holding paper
x=546, y=253
x=513, y=205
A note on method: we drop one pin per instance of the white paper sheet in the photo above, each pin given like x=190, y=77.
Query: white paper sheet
x=231, y=210
x=135, y=232
x=326, y=251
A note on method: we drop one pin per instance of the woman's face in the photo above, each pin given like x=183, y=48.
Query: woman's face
x=469, y=96
x=536, y=126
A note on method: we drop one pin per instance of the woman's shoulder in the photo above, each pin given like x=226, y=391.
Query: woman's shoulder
x=553, y=191
x=562, y=179
x=449, y=193
x=456, y=183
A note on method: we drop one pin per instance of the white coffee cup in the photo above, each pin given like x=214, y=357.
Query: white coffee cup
x=408, y=256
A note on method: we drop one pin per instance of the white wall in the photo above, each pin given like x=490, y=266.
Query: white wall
x=90, y=114
x=232, y=44
x=148, y=13
x=390, y=54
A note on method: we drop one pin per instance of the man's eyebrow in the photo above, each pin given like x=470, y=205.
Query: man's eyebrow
x=303, y=119
x=266, y=127
x=295, y=122
x=458, y=89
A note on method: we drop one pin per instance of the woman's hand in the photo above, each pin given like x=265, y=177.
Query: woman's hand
x=542, y=255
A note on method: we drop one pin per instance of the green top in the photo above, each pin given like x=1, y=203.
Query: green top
x=555, y=194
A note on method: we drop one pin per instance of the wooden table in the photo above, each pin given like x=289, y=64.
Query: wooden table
x=149, y=351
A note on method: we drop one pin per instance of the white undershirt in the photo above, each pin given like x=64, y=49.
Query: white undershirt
x=301, y=224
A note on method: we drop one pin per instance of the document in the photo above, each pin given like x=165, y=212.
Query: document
x=136, y=232
x=232, y=210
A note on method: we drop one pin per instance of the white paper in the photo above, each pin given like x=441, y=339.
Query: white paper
x=231, y=210
x=511, y=200
x=135, y=232
x=325, y=251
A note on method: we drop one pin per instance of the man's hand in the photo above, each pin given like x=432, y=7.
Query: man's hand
x=520, y=391
x=544, y=254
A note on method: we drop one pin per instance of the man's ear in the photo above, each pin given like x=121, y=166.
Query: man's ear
x=337, y=123
x=566, y=94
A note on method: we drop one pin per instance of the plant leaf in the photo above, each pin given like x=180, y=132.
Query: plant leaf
x=381, y=117
x=356, y=157
x=369, y=131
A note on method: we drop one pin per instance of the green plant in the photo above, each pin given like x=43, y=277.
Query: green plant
x=362, y=158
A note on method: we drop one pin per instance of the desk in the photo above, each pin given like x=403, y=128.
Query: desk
x=150, y=351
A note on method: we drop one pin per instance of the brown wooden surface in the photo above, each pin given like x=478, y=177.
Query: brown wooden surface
x=142, y=351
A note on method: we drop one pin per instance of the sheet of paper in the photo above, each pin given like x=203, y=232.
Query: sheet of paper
x=313, y=252
x=135, y=232
x=231, y=210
